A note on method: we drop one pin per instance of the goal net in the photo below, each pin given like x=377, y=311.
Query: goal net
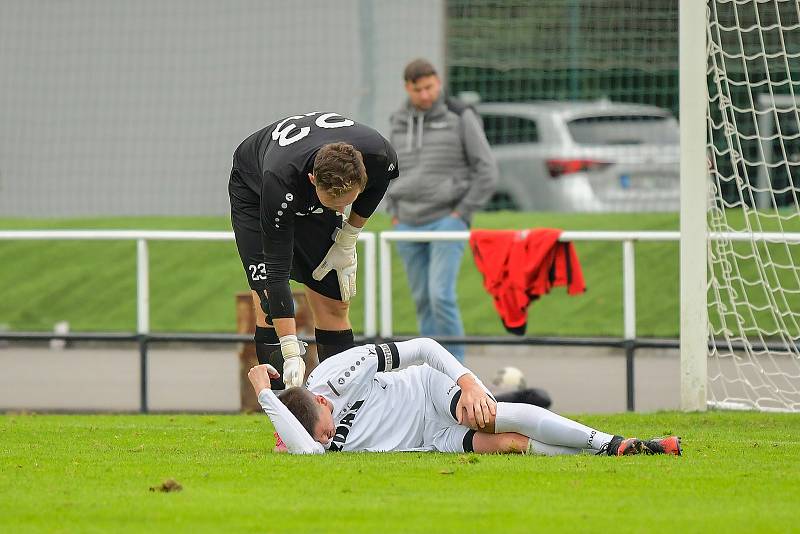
x=753, y=151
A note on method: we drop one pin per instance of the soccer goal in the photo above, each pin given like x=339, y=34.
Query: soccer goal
x=740, y=204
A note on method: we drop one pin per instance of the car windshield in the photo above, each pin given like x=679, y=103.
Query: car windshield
x=624, y=130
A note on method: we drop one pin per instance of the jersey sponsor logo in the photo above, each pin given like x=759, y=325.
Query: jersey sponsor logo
x=345, y=425
x=313, y=210
x=391, y=167
x=286, y=133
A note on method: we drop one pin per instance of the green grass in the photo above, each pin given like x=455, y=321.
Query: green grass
x=192, y=284
x=739, y=473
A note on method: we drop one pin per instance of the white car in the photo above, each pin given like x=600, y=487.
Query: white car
x=583, y=156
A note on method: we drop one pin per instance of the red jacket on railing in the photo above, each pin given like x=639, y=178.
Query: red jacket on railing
x=520, y=266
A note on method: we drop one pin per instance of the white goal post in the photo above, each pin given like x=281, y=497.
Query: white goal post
x=740, y=204
x=693, y=323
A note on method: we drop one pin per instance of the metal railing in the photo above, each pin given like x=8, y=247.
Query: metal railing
x=628, y=342
x=143, y=263
x=144, y=336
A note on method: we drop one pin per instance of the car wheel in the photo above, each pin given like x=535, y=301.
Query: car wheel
x=501, y=200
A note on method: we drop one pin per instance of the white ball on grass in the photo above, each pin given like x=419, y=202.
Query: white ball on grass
x=509, y=379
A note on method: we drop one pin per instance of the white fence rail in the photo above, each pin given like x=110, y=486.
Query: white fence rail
x=628, y=264
x=369, y=262
x=143, y=264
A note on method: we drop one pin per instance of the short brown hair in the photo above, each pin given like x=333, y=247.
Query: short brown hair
x=301, y=403
x=339, y=168
x=419, y=68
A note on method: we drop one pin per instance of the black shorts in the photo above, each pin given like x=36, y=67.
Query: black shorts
x=316, y=229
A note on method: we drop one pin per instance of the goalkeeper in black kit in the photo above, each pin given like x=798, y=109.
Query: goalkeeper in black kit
x=290, y=185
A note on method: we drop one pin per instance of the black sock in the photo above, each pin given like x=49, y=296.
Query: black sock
x=268, y=350
x=330, y=342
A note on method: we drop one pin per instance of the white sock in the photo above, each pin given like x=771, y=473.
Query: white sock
x=547, y=428
x=543, y=449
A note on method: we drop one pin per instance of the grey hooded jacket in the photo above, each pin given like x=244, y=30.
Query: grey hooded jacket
x=445, y=164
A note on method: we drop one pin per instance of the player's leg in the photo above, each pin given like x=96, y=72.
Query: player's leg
x=416, y=261
x=508, y=443
x=313, y=239
x=445, y=264
x=514, y=443
x=245, y=220
x=548, y=432
x=442, y=433
x=333, y=331
x=544, y=427
x=547, y=429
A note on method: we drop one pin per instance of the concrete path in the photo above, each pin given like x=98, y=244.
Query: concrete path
x=202, y=379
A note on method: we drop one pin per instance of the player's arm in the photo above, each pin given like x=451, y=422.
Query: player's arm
x=476, y=402
x=394, y=356
x=297, y=440
x=342, y=255
x=483, y=167
x=277, y=232
x=381, y=169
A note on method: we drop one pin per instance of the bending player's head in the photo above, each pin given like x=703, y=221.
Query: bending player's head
x=339, y=175
x=312, y=411
x=422, y=84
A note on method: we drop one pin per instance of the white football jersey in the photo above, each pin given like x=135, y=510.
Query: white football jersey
x=374, y=409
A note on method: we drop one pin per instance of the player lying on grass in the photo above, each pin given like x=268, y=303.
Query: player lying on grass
x=353, y=402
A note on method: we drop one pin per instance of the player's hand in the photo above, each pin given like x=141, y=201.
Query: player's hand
x=342, y=258
x=475, y=404
x=260, y=377
x=294, y=368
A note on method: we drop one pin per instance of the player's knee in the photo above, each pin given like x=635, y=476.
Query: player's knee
x=487, y=428
x=336, y=309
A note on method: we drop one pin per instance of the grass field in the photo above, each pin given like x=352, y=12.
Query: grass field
x=92, y=473
x=92, y=284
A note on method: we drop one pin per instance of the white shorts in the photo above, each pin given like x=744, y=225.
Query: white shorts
x=442, y=432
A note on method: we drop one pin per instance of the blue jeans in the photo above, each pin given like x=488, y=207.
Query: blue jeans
x=432, y=270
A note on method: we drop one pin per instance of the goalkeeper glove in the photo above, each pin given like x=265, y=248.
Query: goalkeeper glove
x=341, y=257
x=294, y=368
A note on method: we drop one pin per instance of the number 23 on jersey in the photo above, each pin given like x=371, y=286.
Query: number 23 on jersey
x=286, y=132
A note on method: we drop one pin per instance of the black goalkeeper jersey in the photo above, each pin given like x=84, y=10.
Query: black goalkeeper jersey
x=275, y=161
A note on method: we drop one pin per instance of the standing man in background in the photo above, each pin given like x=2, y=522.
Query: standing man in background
x=290, y=184
x=449, y=173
